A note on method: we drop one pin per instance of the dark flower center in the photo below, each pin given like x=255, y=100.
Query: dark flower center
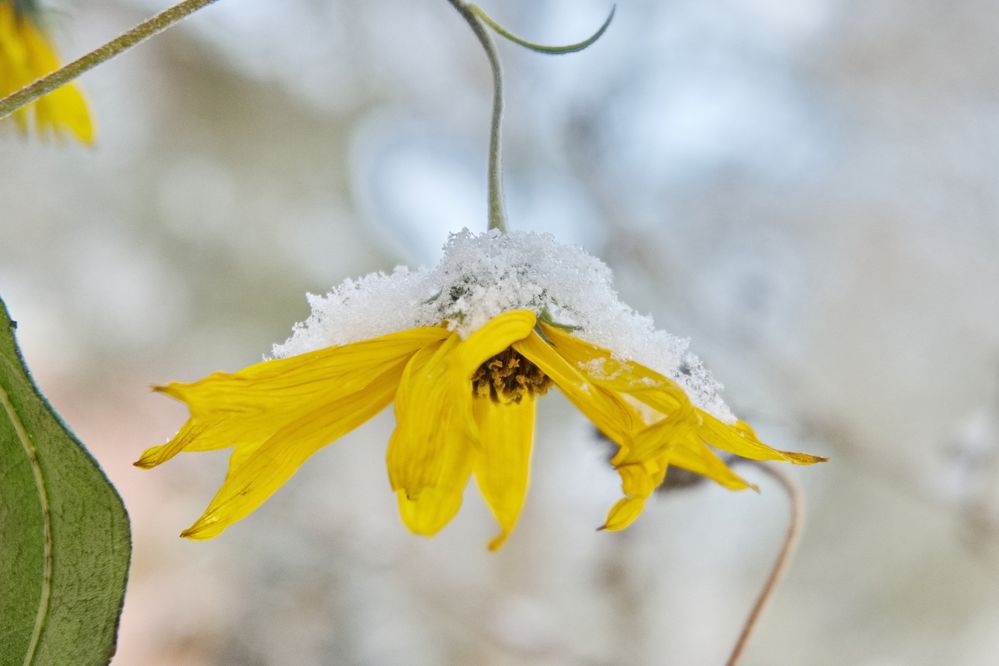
x=508, y=377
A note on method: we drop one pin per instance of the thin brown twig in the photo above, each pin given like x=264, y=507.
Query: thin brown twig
x=796, y=502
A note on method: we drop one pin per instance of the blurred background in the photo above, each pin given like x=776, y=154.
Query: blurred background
x=808, y=190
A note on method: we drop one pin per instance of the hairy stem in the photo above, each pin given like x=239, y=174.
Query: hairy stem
x=497, y=216
x=116, y=46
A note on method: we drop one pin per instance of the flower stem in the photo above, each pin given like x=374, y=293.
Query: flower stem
x=119, y=44
x=497, y=216
x=796, y=503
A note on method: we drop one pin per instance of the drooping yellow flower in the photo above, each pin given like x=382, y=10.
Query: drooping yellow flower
x=464, y=407
x=25, y=55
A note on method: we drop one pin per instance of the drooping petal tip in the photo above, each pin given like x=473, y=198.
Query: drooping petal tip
x=623, y=514
x=497, y=541
x=149, y=458
x=173, y=389
x=203, y=529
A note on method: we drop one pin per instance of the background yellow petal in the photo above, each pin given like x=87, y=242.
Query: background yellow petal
x=502, y=466
x=254, y=475
x=65, y=109
x=27, y=54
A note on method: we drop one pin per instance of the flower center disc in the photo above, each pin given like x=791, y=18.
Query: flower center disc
x=508, y=377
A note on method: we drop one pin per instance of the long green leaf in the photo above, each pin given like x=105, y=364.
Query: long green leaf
x=64, y=534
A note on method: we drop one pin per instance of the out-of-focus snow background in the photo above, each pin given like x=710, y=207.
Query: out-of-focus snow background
x=807, y=189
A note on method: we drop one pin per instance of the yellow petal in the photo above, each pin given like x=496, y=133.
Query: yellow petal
x=495, y=336
x=423, y=407
x=245, y=408
x=638, y=482
x=27, y=54
x=607, y=411
x=602, y=367
x=693, y=455
x=65, y=109
x=669, y=399
x=262, y=386
x=640, y=477
x=502, y=467
x=623, y=513
x=430, y=510
x=254, y=475
x=670, y=413
x=188, y=434
x=742, y=441
x=655, y=440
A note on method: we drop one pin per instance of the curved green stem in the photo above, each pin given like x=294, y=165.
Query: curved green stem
x=542, y=48
x=478, y=19
x=497, y=216
x=119, y=44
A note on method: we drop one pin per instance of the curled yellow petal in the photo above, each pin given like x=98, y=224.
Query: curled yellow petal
x=638, y=482
x=254, y=475
x=668, y=413
x=496, y=335
x=502, y=466
x=606, y=410
x=679, y=418
x=602, y=367
x=245, y=408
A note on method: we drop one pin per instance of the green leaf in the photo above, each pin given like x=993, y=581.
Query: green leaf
x=64, y=534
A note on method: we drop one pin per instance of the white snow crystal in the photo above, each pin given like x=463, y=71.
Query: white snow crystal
x=483, y=275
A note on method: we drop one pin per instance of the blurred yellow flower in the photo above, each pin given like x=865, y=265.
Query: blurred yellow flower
x=463, y=407
x=25, y=55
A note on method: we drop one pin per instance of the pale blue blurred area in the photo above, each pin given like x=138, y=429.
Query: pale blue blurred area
x=808, y=190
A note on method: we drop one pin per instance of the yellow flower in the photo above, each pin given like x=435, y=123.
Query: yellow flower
x=25, y=55
x=464, y=406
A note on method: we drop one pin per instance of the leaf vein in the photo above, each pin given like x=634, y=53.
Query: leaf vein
x=43, y=499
